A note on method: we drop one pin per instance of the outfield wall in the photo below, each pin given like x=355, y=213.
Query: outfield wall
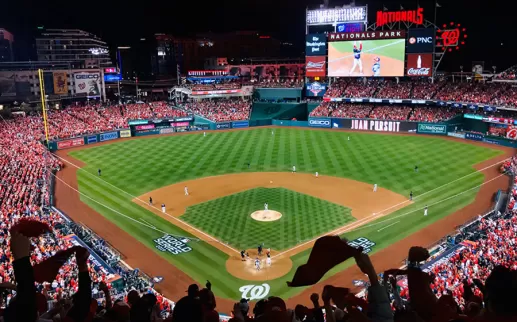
x=281, y=111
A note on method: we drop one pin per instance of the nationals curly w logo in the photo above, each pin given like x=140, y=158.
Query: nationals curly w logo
x=254, y=292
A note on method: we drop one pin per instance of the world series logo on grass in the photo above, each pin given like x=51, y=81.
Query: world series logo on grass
x=172, y=244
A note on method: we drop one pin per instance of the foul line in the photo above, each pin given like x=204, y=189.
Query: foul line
x=388, y=226
x=356, y=225
x=152, y=206
x=367, y=51
x=146, y=222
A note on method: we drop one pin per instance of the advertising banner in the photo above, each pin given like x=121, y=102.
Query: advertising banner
x=374, y=125
x=108, y=136
x=125, y=133
x=88, y=83
x=167, y=131
x=228, y=91
x=421, y=40
x=240, y=124
x=367, y=58
x=172, y=245
x=320, y=122
x=179, y=124
x=70, y=143
x=474, y=136
x=366, y=35
x=183, y=119
x=316, y=89
x=456, y=135
x=92, y=139
x=144, y=127
x=137, y=122
x=222, y=126
x=330, y=16
x=316, y=45
x=431, y=128
x=60, y=83
x=315, y=66
x=419, y=65
x=350, y=27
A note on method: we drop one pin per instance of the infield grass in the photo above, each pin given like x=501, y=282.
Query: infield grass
x=139, y=166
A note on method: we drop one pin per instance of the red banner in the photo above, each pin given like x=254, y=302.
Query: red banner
x=70, y=143
x=179, y=124
x=315, y=66
x=419, y=65
x=228, y=91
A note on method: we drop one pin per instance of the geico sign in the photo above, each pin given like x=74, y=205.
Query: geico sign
x=319, y=122
x=419, y=71
x=420, y=40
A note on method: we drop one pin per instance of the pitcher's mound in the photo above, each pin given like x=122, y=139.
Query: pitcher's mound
x=266, y=215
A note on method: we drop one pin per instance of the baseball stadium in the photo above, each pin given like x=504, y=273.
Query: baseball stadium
x=268, y=184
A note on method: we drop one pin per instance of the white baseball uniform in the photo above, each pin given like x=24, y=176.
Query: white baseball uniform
x=257, y=265
x=186, y=191
x=266, y=206
x=375, y=188
x=425, y=211
x=163, y=208
x=268, y=261
x=317, y=174
x=204, y=133
x=294, y=168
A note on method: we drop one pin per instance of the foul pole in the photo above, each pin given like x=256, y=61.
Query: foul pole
x=43, y=104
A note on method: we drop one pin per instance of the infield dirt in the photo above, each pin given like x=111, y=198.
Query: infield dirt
x=176, y=281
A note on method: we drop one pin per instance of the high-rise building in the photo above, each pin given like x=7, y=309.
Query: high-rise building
x=73, y=45
x=6, y=46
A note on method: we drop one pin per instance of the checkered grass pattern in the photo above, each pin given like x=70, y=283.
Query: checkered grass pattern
x=303, y=218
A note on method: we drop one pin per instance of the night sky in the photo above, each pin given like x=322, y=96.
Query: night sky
x=489, y=23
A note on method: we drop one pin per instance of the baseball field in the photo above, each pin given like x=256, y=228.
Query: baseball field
x=390, y=51
x=231, y=174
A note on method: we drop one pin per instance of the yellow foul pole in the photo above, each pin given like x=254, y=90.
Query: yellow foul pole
x=43, y=103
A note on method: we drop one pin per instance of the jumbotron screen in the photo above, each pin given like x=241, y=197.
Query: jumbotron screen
x=379, y=58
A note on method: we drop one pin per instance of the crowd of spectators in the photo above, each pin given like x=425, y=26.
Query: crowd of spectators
x=509, y=74
x=220, y=110
x=384, y=112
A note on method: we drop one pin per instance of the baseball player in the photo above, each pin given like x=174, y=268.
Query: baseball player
x=375, y=188
x=411, y=196
x=163, y=207
x=357, y=58
x=243, y=255
x=272, y=132
x=294, y=168
x=259, y=250
x=150, y=201
x=376, y=69
x=257, y=264
x=416, y=168
x=266, y=206
x=99, y=172
x=425, y=210
x=317, y=174
x=268, y=259
x=186, y=190
x=348, y=138
x=204, y=133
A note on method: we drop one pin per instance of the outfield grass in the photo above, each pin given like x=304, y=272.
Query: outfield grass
x=228, y=218
x=139, y=166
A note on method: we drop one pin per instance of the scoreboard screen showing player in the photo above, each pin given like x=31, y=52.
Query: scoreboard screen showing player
x=358, y=58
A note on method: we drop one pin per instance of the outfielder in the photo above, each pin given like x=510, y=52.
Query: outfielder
x=357, y=58
x=376, y=69
x=204, y=133
x=186, y=190
x=425, y=210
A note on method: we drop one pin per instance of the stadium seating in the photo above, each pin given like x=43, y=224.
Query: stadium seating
x=220, y=110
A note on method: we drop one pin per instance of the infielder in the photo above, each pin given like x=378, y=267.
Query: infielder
x=375, y=188
x=317, y=174
x=268, y=259
x=425, y=210
x=257, y=264
x=294, y=168
x=186, y=190
x=266, y=206
x=150, y=201
x=163, y=207
x=357, y=58
x=376, y=69
x=411, y=196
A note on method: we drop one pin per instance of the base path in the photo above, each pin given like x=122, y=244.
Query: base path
x=356, y=195
x=246, y=270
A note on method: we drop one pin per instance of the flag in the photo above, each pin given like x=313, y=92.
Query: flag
x=401, y=7
x=438, y=5
x=384, y=8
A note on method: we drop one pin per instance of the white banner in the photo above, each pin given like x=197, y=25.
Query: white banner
x=88, y=83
